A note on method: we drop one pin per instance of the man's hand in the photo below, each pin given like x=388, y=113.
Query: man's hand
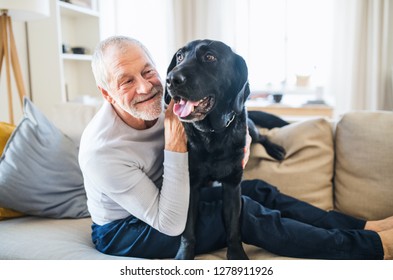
x=247, y=149
x=175, y=136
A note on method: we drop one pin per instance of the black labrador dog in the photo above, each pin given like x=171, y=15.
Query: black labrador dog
x=209, y=84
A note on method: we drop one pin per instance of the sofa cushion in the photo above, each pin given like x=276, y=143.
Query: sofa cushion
x=364, y=164
x=37, y=238
x=39, y=170
x=307, y=170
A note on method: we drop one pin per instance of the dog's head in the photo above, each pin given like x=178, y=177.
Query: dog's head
x=208, y=82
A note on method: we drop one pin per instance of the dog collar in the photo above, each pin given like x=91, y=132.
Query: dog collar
x=232, y=114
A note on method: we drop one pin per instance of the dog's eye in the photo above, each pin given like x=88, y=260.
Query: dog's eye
x=179, y=57
x=210, y=58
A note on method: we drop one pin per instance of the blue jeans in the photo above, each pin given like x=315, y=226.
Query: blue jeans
x=271, y=220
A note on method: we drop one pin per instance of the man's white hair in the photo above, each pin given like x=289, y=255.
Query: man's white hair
x=98, y=62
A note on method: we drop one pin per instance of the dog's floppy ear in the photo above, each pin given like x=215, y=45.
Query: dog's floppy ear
x=243, y=86
x=241, y=98
x=167, y=97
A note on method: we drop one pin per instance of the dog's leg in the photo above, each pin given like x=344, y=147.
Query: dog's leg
x=187, y=244
x=231, y=212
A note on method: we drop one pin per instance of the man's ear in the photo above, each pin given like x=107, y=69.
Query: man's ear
x=167, y=97
x=106, y=95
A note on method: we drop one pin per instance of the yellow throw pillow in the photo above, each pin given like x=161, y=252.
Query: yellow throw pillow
x=6, y=213
x=6, y=130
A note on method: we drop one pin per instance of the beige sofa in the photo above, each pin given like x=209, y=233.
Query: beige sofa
x=347, y=166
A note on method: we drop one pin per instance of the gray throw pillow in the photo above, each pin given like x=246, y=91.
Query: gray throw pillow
x=39, y=170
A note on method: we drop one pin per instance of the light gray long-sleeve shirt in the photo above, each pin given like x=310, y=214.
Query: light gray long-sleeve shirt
x=128, y=172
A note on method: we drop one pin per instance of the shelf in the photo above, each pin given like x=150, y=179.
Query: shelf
x=69, y=25
x=73, y=10
x=288, y=90
x=78, y=57
x=286, y=111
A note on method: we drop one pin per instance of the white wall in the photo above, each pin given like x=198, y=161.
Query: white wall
x=146, y=21
x=19, y=29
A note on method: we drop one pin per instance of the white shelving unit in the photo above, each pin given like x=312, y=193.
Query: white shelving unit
x=57, y=74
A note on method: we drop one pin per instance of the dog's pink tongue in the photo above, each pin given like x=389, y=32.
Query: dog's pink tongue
x=184, y=107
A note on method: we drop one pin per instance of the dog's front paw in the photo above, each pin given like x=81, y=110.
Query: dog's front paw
x=236, y=254
x=185, y=254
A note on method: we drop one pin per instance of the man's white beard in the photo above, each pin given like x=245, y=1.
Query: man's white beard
x=147, y=114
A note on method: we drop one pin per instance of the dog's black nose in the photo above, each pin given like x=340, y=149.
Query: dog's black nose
x=175, y=79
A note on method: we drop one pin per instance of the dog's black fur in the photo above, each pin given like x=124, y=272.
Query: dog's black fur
x=209, y=72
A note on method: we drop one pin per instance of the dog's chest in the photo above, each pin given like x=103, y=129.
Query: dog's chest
x=214, y=158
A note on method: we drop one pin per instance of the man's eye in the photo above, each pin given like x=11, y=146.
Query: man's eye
x=179, y=57
x=126, y=82
x=210, y=58
x=150, y=73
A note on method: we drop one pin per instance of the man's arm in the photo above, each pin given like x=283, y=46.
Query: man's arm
x=175, y=136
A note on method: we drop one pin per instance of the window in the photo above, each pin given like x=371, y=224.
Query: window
x=287, y=38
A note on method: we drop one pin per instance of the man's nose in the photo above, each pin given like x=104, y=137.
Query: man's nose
x=144, y=86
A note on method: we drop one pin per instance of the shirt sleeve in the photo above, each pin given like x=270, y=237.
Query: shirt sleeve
x=126, y=184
